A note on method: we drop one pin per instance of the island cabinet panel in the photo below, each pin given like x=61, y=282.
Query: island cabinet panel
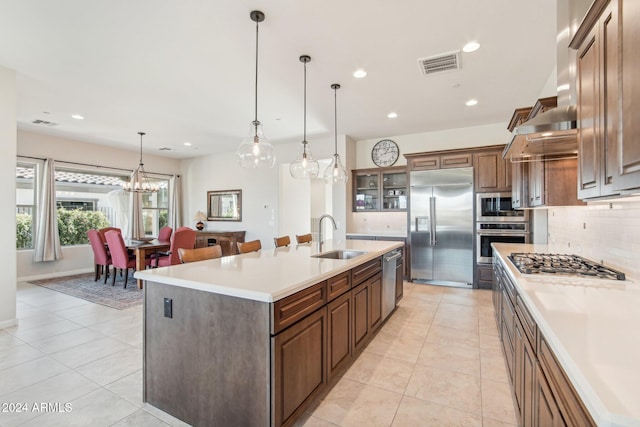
x=300, y=365
x=289, y=310
x=199, y=363
x=375, y=301
x=361, y=316
x=339, y=318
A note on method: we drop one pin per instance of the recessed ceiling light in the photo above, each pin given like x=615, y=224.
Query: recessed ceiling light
x=471, y=47
x=471, y=102
x=359, y=74
x=77, y=117
x=188, y=144
x=392, y=115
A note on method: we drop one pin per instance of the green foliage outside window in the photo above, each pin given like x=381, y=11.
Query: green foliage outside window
x=72, y=227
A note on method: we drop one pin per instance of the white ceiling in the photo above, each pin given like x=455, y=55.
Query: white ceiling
x=184, y=70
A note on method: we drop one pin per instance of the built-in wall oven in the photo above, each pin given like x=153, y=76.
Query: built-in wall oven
x=496, y=207
x=498, y=232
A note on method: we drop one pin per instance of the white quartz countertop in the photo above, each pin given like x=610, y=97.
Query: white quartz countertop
x=593, y=328
x=267, y=275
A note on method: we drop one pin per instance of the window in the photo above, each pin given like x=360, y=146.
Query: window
x=83, y=202
x=25, y=204
x=155, y=208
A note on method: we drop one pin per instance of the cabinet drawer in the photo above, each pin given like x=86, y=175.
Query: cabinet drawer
x=508, y=317
x=338, y=285
x=425, y=163
x=528, y=324
x=289, y=310
x=366, y=270
x=571, y=407
x=507, y=346
x=455, y=161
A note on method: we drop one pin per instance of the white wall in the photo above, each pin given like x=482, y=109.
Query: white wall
x=8, y=193
x=475, y=136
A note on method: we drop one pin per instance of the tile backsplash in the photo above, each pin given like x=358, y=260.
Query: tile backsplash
x=372, y=222
x=603, y=232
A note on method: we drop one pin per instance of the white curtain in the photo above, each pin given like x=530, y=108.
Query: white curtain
x=119, y=202
x=47, y=242
x=175, y=213
x=135, y=213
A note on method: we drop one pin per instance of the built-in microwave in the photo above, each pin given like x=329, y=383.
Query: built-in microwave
x=496, y=207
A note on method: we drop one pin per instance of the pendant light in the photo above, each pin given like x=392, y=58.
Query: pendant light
x=304, y=167
x=255, y=151
x=140, y=182
x=335, y=172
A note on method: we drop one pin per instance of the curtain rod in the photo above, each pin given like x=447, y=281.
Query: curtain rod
x=94, y=166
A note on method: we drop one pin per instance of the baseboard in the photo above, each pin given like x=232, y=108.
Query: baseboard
x=8, y=323
x=53, y=275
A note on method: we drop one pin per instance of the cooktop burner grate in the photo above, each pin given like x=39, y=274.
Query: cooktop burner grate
x=572, y=265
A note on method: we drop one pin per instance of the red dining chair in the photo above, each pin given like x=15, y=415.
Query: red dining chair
x=120, y=257
x=101, y=258
x=103, y=231
x=185, y=238
x=165, y=234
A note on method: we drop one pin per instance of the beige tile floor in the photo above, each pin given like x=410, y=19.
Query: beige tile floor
x=437, y=361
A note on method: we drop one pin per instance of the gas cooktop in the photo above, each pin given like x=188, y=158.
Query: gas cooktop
x=566, y=265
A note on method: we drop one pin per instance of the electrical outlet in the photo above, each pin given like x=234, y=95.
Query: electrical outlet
x=168, y=308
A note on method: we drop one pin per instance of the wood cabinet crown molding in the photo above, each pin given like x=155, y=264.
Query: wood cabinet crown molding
x=520, y=115
x=592, y=16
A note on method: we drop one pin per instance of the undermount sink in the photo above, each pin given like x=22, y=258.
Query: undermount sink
x=339, y=254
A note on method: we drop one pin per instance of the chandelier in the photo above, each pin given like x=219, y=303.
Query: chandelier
x=140, y=182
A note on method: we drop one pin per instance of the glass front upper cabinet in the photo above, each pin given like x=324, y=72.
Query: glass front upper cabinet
x=381, y=189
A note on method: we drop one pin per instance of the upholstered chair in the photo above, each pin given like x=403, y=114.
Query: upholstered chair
x=184, y=237
x=119, y=255
x=101, y=258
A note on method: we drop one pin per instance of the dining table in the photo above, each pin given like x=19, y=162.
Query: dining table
x=143, y=247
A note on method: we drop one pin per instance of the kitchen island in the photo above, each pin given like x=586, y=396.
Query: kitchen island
x=572, y=344
x=254, y=339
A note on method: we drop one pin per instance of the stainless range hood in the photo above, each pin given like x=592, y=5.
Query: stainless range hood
x=550, y=133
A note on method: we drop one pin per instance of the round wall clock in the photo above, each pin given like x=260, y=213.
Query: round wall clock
x=385, y=153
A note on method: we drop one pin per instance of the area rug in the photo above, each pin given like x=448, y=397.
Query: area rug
x=83, y=286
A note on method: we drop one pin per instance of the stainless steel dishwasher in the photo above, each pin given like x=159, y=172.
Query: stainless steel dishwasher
x=389, y=261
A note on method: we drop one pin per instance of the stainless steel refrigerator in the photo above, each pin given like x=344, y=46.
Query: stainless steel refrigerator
x=441, y=226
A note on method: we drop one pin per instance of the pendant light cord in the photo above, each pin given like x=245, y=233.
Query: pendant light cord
x=304, y=133
x=141, y=135
x=256, y=94
x=335, y=119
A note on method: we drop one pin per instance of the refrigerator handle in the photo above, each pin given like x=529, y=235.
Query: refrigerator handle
x=432, y=211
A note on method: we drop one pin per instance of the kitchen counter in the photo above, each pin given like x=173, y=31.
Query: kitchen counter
x=593, y=328
x=268, y=275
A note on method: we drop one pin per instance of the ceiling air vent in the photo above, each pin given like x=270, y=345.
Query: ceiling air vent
x=44, y=123
x=443, y=62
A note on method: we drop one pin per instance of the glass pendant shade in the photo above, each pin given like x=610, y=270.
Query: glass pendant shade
x=304, y=167
x=255, y=151
x=335, y=173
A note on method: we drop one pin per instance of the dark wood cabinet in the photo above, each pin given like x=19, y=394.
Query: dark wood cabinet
x=228, y=240
x=300, y=364
x=339, y=318
x=519, y=184
x=440, y=160
x=553, y=182
x=484, y=276
x=375, y=301
x=361, y=307
x=608, y=98
x=492, y=172
x=543, y=394
x=381, y=189
x=545, y=409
